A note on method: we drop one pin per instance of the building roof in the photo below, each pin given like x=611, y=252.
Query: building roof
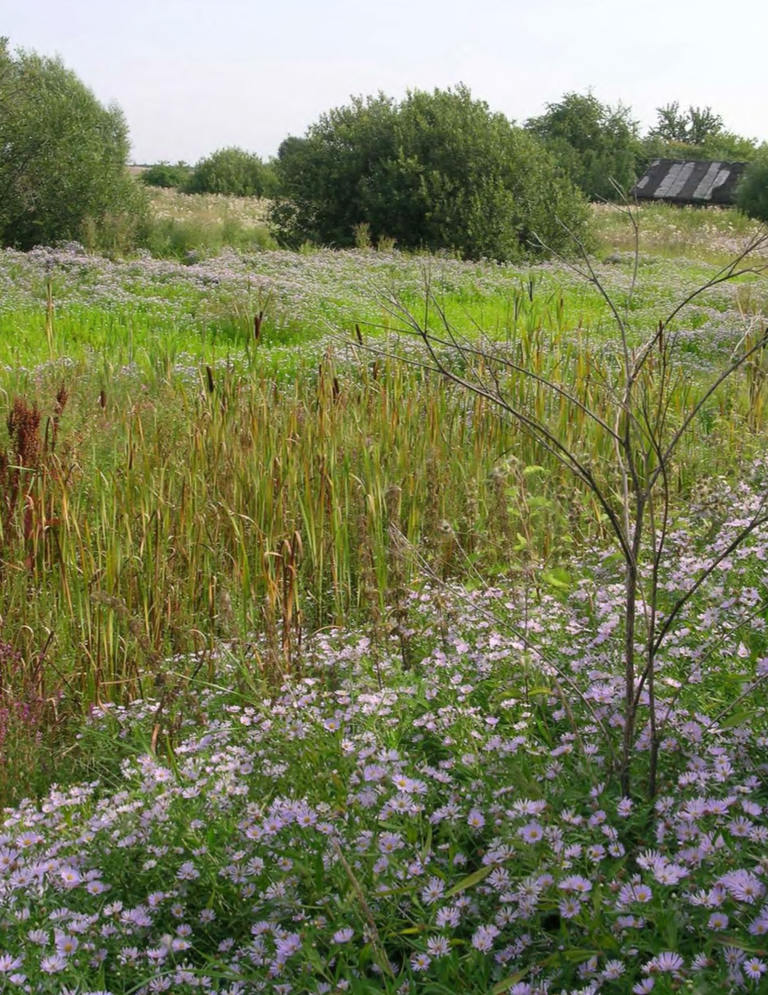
x=693, y=182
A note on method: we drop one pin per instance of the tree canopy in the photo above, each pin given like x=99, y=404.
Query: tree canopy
x=752, y=192
x=595, y=144
x=230, y=171
x=435, y=171
x=696, y=133
x=62, y=157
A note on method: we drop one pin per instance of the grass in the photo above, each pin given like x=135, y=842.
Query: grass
x=708, y=234
x=190, y=226
x=295, y=620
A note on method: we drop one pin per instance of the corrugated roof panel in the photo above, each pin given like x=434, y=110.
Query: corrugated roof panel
x=691, y=182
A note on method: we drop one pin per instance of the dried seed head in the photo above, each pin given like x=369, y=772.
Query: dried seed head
x=24, y=429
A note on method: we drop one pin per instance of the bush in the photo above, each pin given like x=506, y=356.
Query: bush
x=595, y=144
x=229, y=171
x=752, y=193
x=436, y=171
x=163, y=174
x=62, y=159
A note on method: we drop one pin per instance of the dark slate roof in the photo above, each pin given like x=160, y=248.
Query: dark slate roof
x=692, y=182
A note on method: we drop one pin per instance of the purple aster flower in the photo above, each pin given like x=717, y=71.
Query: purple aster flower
x=532, y=832
x=575, y=883
x=483, y=937
x=569, y=908
x=389, y=842
x=432, y=891
x=420, y=961
x=187, y=872
x=476, y=819
x=53, y=964
x=438, y=946
x=754, y=968
x=65, y=943
x=667, y=961
x=613, y=969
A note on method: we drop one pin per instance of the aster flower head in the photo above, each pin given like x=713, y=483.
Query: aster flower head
x=666, y=962
x=420, y=961
x=753, y=968
x=533, y=832
x=8, y=963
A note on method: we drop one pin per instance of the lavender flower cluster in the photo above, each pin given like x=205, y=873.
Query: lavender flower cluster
x=453, y=826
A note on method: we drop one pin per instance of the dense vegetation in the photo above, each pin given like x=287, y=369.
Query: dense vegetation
x=435, y=171
x=231, y=171
x=752, y=194
x=384, y=623
x=62, y=160
x=328, y=651
x=166, y=175
x=596, y=145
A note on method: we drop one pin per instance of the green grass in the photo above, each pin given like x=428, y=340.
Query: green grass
x=204, y=484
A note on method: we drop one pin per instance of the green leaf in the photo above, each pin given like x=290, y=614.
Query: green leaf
x=579, y=956
x=506, y=983
x=737, y=718
x=557, y=577
x=469, y=881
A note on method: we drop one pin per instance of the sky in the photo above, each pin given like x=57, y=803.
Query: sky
x=192, y=76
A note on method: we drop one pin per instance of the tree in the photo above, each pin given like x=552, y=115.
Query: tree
x=752, y=192
x=165, y=175
x=62, y=158
x=697, y=133
x=695, y=126
x=436, y=171
x=595, y=144
x=230, y=171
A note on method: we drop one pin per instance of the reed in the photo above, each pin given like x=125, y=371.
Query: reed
x=173, y=478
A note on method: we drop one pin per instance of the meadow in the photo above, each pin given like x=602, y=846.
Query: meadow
x=313, y=661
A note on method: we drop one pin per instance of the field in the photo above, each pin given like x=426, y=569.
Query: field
x=315, y=629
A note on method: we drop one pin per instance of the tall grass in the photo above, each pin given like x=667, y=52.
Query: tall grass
x=185, y=226
x=149, y=518
x=196, y=482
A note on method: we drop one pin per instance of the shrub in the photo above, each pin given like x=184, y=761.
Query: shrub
x=752, y=193
x=436, y=171
x=62, y=158
x=595, y=144
x=163, y=174
x=229, y=171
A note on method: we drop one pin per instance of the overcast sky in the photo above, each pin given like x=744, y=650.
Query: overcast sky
x=194, y=76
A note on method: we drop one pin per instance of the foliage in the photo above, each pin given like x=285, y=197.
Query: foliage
x=697, y=133
x=429, y=802
x=435, y=171
x=231, y=171
x=595, y=144
x=190, y=473
x=62, y=160
x=752, y=193
x=673, y=232
x=693, y=127
x=453, y=827
x=166, y=175
x=641, y=430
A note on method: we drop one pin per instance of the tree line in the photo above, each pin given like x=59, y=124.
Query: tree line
x=433, y=171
